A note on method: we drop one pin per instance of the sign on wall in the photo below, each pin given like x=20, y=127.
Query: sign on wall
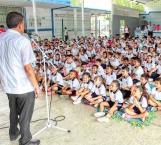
x=64, y=2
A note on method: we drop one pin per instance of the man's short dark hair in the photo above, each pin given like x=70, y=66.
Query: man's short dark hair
x=13, y=19
x=1, y=26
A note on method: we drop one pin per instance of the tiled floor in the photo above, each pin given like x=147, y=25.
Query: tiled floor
x=85, y=130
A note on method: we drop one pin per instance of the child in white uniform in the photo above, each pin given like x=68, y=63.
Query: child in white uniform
x=113, y=103
x=73, y=84
x=85, y=88
x=97, y=93
x=137, y=105
x=155, y=97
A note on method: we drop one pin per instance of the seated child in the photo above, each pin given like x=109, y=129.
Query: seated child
x=109, y=76
x=150, y=67
x=137, y=105
x=69, y=65
x=145, y=84
x=94, y=72
x=138, y=71
x=101, y=71
x=84, y=69
x=126, y=82
x=113, y=103
x=97, y=93
x=55, y=81
x=155, y=97
x=73, y=83
x=85, y=87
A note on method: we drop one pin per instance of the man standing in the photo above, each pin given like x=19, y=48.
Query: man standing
x=17, y=78
x=66, y=33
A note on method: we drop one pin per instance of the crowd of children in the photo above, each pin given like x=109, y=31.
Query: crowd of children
x=113, y=74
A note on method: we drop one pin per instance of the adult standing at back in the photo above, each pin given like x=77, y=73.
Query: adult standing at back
x=150, y=29
x=66, y=34
x=126, y=31
x=17, y=78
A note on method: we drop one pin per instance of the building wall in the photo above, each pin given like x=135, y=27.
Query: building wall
x=66, y=19
x=153, y=17
x=132, y=22
x=43, y=21
x=62, y=18
x=4, y=10
x=130, y=16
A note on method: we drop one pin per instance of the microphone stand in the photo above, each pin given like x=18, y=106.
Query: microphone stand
x=49, y=121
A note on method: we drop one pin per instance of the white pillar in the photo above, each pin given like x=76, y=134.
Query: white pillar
x=34, y=15
x=83, y=33
x=75, y=22
x=96, y=26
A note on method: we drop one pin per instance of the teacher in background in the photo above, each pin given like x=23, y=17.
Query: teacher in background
x=17, y=78
x=126, y=32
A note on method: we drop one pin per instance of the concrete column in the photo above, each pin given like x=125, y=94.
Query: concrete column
x=96, y=26
x=83, y=31
x=34, y=16
x=75, y=22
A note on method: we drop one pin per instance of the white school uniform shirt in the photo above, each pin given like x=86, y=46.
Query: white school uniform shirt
x=148, y=88
x=101, y=71
x=100, y=91
x=143, y=101
x=117, y=96
x=56, y=62
x=127, y=82
x=156, y=94
x=129, y=56
x=149, y=66
x=87, y=85
x=15, y=52
x=57, y=78
x=94, y=75
x=91, y=53
x=158, y=50
x=115, y=62
x=82, y=72
x=75, y=51
x=159, y=69
x=138, y=72
x=69, y=67
x=84, y=57
x=109, y=78
x=74, y=84
x=135, y=52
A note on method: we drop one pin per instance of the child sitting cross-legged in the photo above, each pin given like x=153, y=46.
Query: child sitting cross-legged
x=85, y=88
x=97, y=93
x=55, y=81
x=137, y=104
x=113, y=103
x=73, y=84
